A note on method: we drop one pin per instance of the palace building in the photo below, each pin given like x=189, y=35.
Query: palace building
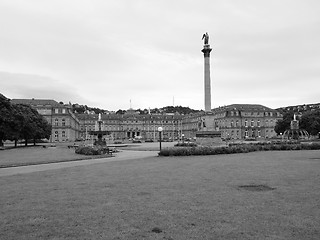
x=236, y=121
x=132, y=125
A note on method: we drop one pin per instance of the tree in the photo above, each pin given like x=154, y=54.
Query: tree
x=25, y=117
x=30, y=124
x=43, y=129
x=284, y=124
x=310, y=121
x=121, y=112
x=6, y=119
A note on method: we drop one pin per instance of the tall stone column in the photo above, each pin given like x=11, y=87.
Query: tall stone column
x=207, y=82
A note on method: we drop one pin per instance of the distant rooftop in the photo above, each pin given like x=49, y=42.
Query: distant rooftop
x=243, y=107
x=36, y=102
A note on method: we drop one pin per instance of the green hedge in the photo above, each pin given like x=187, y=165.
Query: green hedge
x=243, y=148
x=92, y=150
x=186, y=144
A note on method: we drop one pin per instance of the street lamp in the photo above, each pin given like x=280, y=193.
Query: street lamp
x=160, y=130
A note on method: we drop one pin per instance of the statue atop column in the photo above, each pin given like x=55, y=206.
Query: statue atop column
x=205, y=36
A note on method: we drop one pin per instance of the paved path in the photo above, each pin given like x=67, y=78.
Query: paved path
x=120, y=156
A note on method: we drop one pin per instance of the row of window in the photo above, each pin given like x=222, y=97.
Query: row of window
x=60, y=110
x=63, y=134
x=56, y=122
x=246, y=133
x=246, y=122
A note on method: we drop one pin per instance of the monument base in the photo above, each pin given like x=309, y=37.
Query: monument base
x=209, y=138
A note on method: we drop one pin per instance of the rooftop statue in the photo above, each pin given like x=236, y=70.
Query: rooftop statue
x=205, y=36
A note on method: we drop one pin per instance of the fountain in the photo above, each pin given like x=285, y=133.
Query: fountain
x=295, y=133
x=99, y=132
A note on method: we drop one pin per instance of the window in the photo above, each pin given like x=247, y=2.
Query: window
x=56, y=134
x=231, y=123
x=258, y=123
x=246, y=133
x=267, y=123
x=63, y=110
x=246, y=123
x=56, y=122
x=252, y=123
x=56, y=110
x=237, y=123
x=63, y=134
x=63, y=122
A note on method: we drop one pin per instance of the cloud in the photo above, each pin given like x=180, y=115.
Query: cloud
x=108, y=52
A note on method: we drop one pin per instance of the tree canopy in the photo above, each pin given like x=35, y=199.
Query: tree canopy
x=19, y=121
x=284, y=124
x=309, y=121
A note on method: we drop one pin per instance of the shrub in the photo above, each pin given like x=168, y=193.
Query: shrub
x=241, y=148
x=92, y=150
x=186, y=144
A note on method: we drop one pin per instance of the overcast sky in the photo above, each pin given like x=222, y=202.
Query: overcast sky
x=104, y=53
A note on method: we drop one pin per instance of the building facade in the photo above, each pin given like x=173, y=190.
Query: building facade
x=243, y=121
x=132, y=125
x=236, y=121
x=65, y=125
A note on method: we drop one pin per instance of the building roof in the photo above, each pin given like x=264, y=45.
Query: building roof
x=37, y=102
x=244, y=107
x=141, y=117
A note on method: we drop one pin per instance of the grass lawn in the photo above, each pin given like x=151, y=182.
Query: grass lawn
x=37, y=155
x=168, y=198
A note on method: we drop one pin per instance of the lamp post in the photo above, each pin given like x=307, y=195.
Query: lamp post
x=160, y=131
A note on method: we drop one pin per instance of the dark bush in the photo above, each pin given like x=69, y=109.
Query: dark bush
x=92, y=150
x=186, y=144
x=241, y=148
